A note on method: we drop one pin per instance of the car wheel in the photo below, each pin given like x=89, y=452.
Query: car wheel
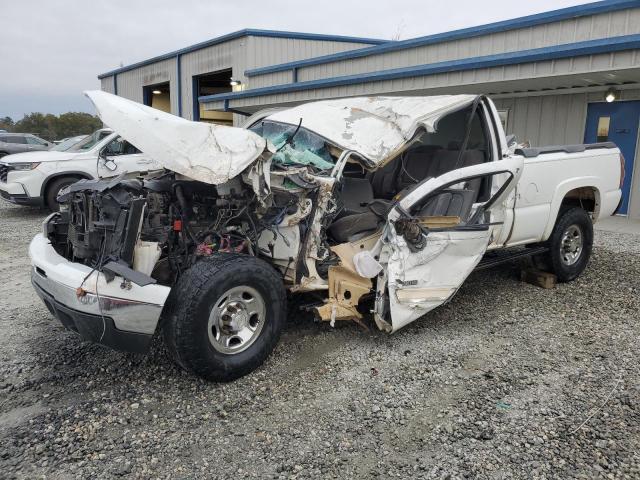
x=53, y=190
x=225, y=316
x=570, y=244
x=3, y=154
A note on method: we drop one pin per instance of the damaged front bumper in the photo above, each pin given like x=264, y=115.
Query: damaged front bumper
x=118, y=314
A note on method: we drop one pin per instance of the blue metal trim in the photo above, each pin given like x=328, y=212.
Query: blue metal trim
x=522, y=22
x=244, y=33
x=590, y=47
x=196, y=105
x=115, y=84
x=179, y=83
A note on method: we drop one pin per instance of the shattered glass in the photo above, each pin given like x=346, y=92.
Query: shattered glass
x=295, y=148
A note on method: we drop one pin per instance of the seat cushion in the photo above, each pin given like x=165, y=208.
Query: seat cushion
x=355, y=194
x=348, y=229
x=450, y=203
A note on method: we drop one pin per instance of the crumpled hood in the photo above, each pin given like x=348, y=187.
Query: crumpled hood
x=201, y=151
x=375, y=127
x=40, y=156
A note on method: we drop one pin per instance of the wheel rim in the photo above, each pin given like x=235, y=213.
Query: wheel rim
x=236, y=320
x=571, y=245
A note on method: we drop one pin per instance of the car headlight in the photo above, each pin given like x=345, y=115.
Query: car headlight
x=23, y=166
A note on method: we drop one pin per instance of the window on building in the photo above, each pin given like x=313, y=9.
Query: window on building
x=603, y=129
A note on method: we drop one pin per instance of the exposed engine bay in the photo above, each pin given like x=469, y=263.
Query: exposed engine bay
x=163, y=225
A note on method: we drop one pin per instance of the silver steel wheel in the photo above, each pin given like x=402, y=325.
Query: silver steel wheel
x=236, y=320
x=571, y=245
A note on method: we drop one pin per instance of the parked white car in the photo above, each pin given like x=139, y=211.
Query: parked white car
x=379, y=207
x=36, y=178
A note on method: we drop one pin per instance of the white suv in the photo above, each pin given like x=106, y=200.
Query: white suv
x=36, y=178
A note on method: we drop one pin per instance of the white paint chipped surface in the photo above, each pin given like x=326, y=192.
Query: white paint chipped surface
x=201, y=151
x=375, y=127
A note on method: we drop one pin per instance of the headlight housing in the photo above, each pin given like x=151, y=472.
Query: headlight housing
x=23, y=166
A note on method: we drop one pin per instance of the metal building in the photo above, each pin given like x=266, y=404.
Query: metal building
x=561, y=77
x=173, y=82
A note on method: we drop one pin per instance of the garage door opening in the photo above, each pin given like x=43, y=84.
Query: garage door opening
x=211, y=84
x=158, y=96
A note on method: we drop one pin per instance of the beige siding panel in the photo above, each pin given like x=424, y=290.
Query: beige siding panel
x=130, y=83
x=223, y=56
x=625, y=22
x=106, y=84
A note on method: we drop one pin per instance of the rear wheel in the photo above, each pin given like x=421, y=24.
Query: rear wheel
x=570, y=244
x=225, y=316
x=54, y=189
x=3, y=154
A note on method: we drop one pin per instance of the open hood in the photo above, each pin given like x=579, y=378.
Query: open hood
x=375, y=127
x=201, y=151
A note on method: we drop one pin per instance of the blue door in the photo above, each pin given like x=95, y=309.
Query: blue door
x=616, y=122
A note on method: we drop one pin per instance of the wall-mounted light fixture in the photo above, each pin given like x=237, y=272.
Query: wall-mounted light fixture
x=234, y=82
x=611, y=95
x=156, y=92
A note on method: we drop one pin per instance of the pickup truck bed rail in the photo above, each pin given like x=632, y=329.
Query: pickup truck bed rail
x=536, y=151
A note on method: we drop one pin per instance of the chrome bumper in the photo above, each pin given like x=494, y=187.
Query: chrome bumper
x=129, y=307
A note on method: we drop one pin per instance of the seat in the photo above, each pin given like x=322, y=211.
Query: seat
x=450, y=203
x=353, y=227
x=355, y=194
x=359, y=225
x=416, y=167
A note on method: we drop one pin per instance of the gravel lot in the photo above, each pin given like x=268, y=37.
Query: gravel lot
x=494, y=385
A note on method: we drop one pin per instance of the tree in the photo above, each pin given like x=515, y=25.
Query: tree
x=76, y=123
x=51, y=127
x=6, y=123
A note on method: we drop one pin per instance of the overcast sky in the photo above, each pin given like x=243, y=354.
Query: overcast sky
x=50, y=51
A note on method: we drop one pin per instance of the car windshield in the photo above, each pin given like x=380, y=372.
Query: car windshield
x=296, y=146
x=89, y=142
x=68, y=143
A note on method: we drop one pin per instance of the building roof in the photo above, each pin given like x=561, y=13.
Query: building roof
x=245, y=33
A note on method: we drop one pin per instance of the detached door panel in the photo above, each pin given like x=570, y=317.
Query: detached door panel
x=438, y=233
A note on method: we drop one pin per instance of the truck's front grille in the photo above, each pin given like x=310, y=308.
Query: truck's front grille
x=4, y=170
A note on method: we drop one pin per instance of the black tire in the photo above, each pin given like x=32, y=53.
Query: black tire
x=573, y=219
x=186, y=326
x=53, y=189
x=3, y=154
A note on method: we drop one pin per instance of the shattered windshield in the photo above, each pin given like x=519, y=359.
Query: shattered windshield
x=296, y=146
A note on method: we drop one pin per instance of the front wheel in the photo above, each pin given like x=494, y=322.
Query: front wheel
x=225, y=316
x=570, y=244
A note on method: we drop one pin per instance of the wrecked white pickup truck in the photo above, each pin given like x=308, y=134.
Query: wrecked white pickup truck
x=380, y=206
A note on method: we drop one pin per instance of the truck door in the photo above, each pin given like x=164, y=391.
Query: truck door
x=436, y=235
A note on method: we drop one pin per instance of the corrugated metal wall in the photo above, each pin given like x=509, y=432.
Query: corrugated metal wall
x=612, y=24
x=535, y=76
x=106, y=84
x=239, y=55
x=130, y=83
x=247, y=53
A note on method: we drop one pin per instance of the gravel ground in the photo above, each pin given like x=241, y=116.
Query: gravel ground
x=506, y=381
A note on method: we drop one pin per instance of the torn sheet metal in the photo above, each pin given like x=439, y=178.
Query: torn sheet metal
x=374, y=127
x=201, y=151
x=346, y=288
